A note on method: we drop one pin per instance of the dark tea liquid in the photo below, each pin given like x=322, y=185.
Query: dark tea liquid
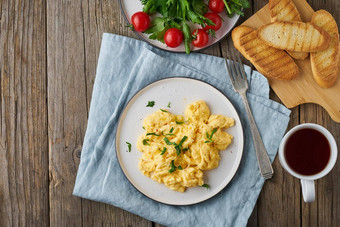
x=307, y=151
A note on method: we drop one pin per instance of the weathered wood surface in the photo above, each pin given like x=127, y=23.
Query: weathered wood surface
x=49, y=51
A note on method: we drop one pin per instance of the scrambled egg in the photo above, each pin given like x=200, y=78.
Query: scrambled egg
x=176, y=149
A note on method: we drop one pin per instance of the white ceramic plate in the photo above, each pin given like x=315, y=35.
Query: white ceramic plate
x=129, y=7
x=180, y=92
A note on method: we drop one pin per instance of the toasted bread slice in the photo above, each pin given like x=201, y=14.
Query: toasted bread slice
x=285, y=10
x=271, y=62
x=325, y=64
x=294, y=36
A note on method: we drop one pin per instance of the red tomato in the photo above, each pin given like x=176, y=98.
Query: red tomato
x=140, y=21
x=216, y=19
x=173, y=37
x=202, y=38
x=217, y=6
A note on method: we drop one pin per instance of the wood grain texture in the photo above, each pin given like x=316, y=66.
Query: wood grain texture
x=23, y=115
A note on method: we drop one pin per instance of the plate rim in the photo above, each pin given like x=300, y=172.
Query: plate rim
x=238, y=161
x=172, y=50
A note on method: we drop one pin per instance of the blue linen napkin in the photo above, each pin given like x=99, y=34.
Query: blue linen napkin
x=125, y=66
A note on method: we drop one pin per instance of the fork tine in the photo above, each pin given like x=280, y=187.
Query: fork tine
x=243, y=73
x=237, y=65
x=233, y=66
x=230, y=67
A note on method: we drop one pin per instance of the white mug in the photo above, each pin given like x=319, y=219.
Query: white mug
x=307, y=182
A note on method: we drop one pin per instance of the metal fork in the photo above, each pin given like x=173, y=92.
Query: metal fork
x=239, y=81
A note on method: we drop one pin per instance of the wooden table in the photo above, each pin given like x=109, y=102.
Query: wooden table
x=49, y=51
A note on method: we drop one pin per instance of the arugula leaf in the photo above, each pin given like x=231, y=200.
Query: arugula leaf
x=129, y=146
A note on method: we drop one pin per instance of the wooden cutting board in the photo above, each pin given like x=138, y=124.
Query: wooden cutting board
x=302, y=89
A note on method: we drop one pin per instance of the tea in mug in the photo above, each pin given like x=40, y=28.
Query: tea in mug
x=307, y=151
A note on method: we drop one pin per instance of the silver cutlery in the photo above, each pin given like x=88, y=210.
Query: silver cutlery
x=238, y=78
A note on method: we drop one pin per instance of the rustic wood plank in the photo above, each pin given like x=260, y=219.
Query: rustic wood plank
x=23, y=118
x=270, y=210
x=324, y=211
x=67, y=107
x=99, y=17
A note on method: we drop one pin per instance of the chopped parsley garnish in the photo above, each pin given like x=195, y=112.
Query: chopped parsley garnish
x=182, y=140
x=150, y=104
x=179, y=167
x=185, y=149
x=205, y=186
x=179, y=122
x=129, y=146
x=178, y=147
x=163, y=110
x=172, y=129
x=152, y=134
x=169, y=103
x=173, y=167
x=145, y=142
x=143, y=128
x=209, y=137
x=169, y=134
x=167, y=141
x=163, y=151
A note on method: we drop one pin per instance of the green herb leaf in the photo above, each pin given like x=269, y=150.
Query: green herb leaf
x=167, y=141
x=179, y=167
x=152, y=134
x=129, y=146
x=169, y=103
x=163, y=110
x=150, y=104
x=169, y=134
x=163, y=151
x=179, y=122
x=178, y=150
x=172, y=129
x=172, y=166
x=185, y=149
x=209, y=137
x=145, y=142
x=205, y=186
x=212, y=133
x=182, y=140
x=143, y=128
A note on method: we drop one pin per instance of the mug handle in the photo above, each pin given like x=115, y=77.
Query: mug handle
x=308, y=190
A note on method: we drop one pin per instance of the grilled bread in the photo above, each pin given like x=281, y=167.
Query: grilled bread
x=294, y=36
x=325, y=64
x=285, y=10
x=269, y=61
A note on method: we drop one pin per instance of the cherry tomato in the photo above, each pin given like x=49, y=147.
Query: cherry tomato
x=202, y=38
x=217, y=6
x=140, y=21
x=216, y=19
x=173, y=37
